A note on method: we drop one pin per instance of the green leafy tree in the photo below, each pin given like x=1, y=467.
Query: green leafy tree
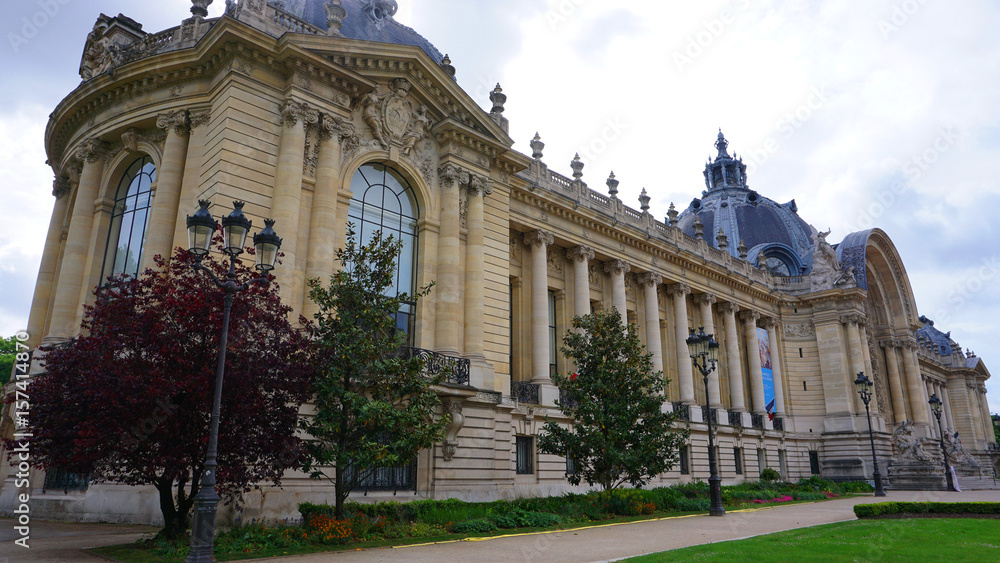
x=996, y=427
x=374, y=407
x=620, y=434
x=8, y=351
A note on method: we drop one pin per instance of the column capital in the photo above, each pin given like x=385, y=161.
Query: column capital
x=770, y=323
x=538, y=237
x=332, y=126
x=177, y=121
x=450, y=176
x=292, y=111
x=617, y=267
x=705, y=299
x=649, y=278
x=680, y=288
x=907, y=344
x=199, y=117
x=729, y=308
x=580, y=254
x=749, y=316
x=92, y=150
x=61, y=186
x=479, y=185
x=853, y=319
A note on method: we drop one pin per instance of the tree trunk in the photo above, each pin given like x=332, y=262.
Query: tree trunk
x=339, y=492
x=172, y=527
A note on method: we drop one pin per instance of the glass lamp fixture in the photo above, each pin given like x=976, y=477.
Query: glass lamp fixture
x=201, y=226
x=235, y=227
x=267, y=244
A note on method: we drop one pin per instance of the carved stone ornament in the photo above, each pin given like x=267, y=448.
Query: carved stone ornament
x=452, y=407
x=749, y=316
x=679, y=287
x=708, y=298
x=647, y=278
x=199, y=118
x=538, y=237
x=578, y=253
x=130, y=140
x=451, y=176
x=728, y=308
x=60, y=186
x=98, y=52
x=515, y=249
x=617, y=267
x=292, y=111
x=799, y=330
x=957, y=452
x=555, y=264
x=91, y=150
x=335, y=15
x=826, y=272
x=479, y=185
x=391, y=117
x=176, y=120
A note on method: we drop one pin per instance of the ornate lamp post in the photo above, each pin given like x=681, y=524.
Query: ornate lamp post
x=864, y=387
x=704, y=354
x=936, y=409
x=201, y=226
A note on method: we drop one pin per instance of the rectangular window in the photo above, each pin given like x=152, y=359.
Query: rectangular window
x=814, y=462
x=761, y=459
x=570, y=464
x=553, y=337
x=525, y=446
x=783, y=464
x=738, y=459
x=56, y=479
x=685, y=462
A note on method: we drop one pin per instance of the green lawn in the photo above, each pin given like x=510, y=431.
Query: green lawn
x=932, y=539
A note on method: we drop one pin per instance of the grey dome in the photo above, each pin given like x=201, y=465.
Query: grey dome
x=367, y=20
x=743, y=214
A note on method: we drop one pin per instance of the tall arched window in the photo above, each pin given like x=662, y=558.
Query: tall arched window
x=129, y=219
x=383, y=201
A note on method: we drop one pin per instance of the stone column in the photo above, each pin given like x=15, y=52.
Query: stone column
x=580, y=256
x=618, y=269
x=990, y=437
x=323, y=223
x=734, y=368
x=749, y=319
x=475, y=297
x=287, y=199
x=915, y=390
x=74, y=263
x=977, y=416
x=895, y=383
x=772, y=325
x=539, y=242
x=169, y=176
x=449, y=273
x=685, y=376
x=929, y=389
x=705, y=301
x=851, y=322
x=866, y=358
x=650, y=283
x=50, y=257
x=942, y=392
x=191, y=182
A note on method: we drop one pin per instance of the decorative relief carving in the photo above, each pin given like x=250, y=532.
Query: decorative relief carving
x=708, y=298
x=241, y=66
x=826, y=270
x=594, y=275
x=578, y=253
x=293, y=111
x=629, y=285
x=648, y=278
x=799, y=330
x=392, y=118
x=617, y=267
x=679, y=287
x=175, y=90
x=310, y=153
x=451, y=176
x=749, y=316
x=453, y=407
x=854, y=319
x=60, y=186
x=769, y=323
x=730, y=308
x=905, y=445
x=176, y=120
x=199, y=118
x=91, y=150
x=515, y=249
x=555, y=262
x=538, y=238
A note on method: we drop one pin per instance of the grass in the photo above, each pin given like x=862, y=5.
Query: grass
x=944, y=539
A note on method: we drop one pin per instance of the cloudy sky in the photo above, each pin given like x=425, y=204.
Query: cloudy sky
x=866, y=112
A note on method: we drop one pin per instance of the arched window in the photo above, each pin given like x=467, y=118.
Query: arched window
x=383, y=201
x=129, y=219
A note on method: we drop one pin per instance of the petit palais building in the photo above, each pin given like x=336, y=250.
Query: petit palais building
x=316, y=113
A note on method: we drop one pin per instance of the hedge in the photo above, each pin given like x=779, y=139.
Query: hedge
x=889, y=508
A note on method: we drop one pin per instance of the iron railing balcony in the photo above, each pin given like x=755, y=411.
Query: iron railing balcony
x=707, y=412
x=524, y=392
x=735, y=418
x=566, y=402
x=757, y=421
x=683, y=411
x=779, y=424
x=456, y=369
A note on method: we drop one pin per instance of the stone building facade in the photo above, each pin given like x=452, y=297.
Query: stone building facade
x=315, y=113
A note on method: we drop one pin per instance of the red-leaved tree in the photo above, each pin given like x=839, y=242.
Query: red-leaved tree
x=130, y=400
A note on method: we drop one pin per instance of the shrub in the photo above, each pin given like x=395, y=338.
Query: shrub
x=769, y=475
x=887, y=508
x=855, y=487
x=422, y=530
x=476, y=526
x=816, y=483
x=325, y=529
x=519, y=518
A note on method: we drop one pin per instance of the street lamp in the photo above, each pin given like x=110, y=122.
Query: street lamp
x=864, y=387
x=235, y=226
x=936, y=409
x=704, y=354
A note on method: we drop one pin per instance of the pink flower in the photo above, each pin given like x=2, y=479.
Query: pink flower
x=573, y=377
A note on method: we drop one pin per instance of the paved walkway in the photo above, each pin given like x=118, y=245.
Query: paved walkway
x=56, y=541
x=64, y=541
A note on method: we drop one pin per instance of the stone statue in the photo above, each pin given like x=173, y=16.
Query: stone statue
x=98, y=52
x=373, y=117
x=957, y=452
x=419, y=128
x=826, y=270
x=905, y=445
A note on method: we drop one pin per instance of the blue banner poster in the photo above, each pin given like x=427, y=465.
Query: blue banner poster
x=765, y=369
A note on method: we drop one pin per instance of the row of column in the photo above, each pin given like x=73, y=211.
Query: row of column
x=580, y=256
x=904, y=373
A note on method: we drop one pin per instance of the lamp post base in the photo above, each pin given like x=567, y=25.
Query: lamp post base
x=203, y=526
x=716, y=507
x=879, y=491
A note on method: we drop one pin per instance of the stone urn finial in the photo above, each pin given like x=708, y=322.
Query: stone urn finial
x=577, y=165
x=335, y=16
x=536, y=147
x=612, y=185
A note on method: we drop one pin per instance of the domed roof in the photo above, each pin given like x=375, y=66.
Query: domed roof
x=368, y=20
x=744, y=215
